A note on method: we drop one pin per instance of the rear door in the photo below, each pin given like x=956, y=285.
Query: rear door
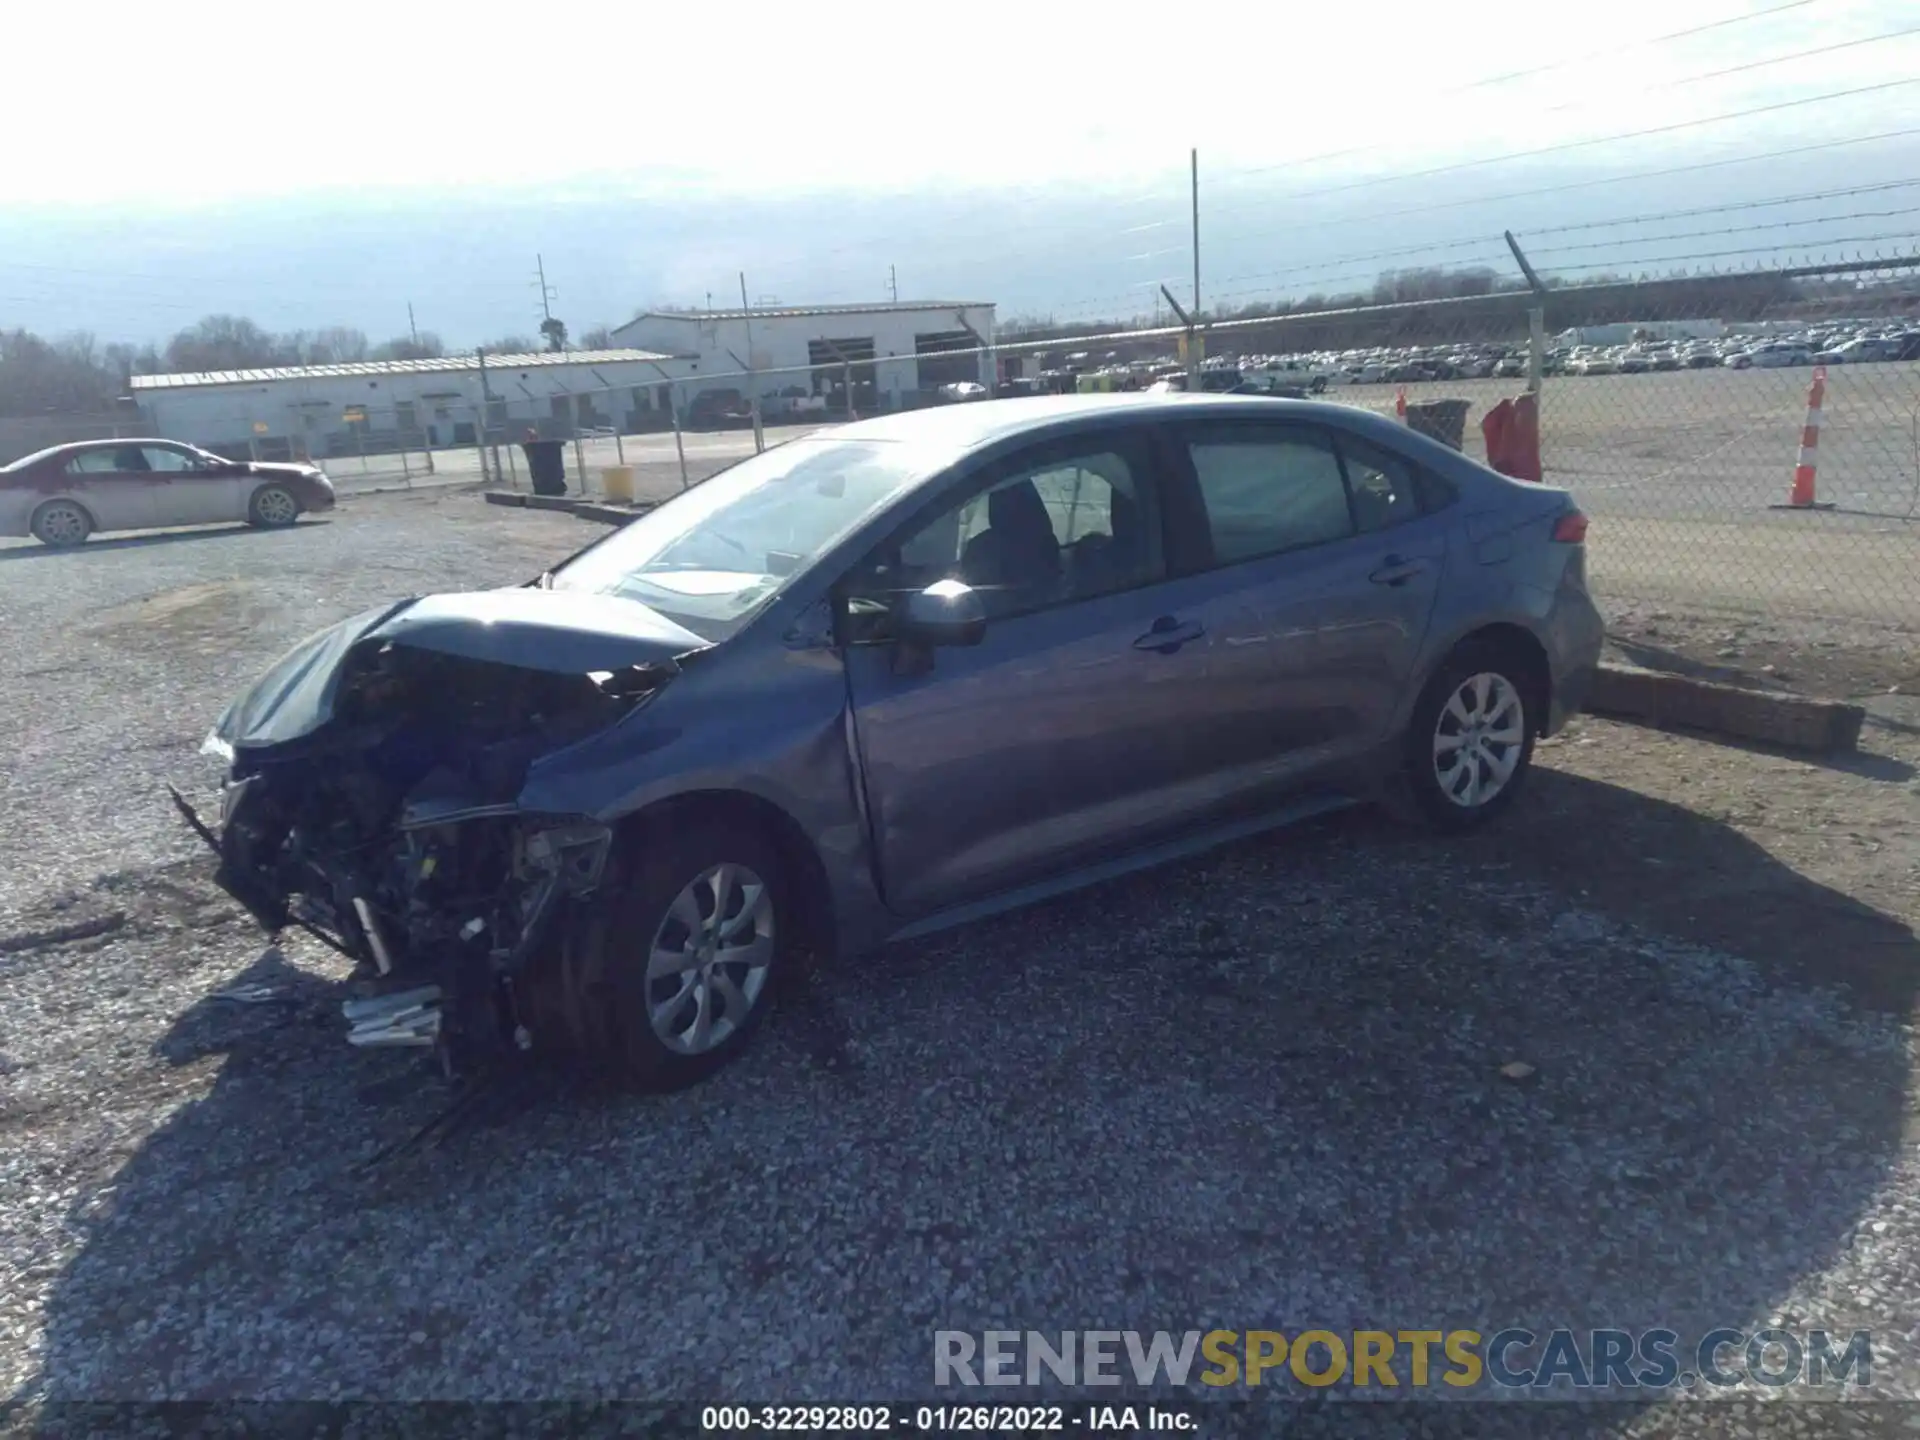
x=113, y=482
x=1325, y=562
x=187, y=491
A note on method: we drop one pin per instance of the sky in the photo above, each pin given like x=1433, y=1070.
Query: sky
x=313, y=167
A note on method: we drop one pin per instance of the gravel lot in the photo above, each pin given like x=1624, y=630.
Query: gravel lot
x=1262, y=1089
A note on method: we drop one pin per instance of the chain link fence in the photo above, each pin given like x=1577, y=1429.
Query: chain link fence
x=1675, y=411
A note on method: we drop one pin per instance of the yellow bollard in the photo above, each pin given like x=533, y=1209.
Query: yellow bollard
x=616, y=481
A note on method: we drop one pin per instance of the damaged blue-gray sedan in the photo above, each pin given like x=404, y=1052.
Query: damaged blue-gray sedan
x=890, y=678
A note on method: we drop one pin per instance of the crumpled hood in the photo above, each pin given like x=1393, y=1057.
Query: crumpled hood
x=561, y=632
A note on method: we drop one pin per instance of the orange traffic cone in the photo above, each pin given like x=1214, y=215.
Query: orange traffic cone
x=1801, y=496
x=1400, y=405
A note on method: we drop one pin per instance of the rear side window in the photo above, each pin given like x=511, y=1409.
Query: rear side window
x=93, y=462
x=1267, y=492
x=1385, y=491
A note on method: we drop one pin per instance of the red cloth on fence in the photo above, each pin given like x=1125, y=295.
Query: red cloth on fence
x=1512, y=431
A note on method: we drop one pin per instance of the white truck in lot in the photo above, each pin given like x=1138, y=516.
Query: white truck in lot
x=1291, y=373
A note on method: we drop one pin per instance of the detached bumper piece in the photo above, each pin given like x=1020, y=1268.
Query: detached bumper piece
x=411, y=1017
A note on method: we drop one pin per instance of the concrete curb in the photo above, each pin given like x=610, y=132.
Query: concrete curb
x=607, y=514
x=1627, y=692
x=597, y=510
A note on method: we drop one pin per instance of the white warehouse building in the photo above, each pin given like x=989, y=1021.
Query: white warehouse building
x=386, y=405
x=895, y=356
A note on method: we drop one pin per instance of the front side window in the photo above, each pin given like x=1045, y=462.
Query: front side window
x=166, y=462
x=1269, y=491
x=710, y=558
x=1054, y=529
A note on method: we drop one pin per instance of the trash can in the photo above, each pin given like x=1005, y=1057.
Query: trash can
x=1443, y=420
x=617, y=482
x=547, y=465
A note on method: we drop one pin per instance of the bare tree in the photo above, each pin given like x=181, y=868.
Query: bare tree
x=225, y=342
x=337, y=345
x=511, y=345
x=600, y=337
x=426, y=346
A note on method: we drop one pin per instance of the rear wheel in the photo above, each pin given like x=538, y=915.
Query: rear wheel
x=61, y=523
x=1470, y=743
x=672, y=971
x=273, y=507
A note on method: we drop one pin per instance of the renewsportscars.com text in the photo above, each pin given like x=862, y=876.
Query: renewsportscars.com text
x=1509, y=1359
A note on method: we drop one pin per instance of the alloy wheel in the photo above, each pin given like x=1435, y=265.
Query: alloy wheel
x=1478, y=739
x=276, y=507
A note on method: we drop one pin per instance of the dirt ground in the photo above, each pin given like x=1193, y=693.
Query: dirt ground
x=1261, y=1087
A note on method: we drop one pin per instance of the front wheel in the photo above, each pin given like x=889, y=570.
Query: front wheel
x=673, y=969
x=273, y=507
x=1470, y=742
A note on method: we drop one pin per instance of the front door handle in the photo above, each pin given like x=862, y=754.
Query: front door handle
x=1397, y=570
x=1169, y=634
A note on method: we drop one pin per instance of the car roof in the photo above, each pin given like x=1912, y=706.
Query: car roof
x=960, y=429
x=81, y=446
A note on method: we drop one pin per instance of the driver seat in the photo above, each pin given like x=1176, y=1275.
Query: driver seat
x=1016, y=559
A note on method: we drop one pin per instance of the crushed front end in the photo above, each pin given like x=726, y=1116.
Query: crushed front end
x=373, y=803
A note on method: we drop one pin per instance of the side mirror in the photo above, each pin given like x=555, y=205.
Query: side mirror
x=947, y=612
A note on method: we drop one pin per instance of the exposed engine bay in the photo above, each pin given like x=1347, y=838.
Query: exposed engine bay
x=389, y=827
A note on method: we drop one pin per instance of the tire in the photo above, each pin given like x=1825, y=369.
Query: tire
x=273, y=507
x=62, y=524
x=626, y=1020
x=1451, y=798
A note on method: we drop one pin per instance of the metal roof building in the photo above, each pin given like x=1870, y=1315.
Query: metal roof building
x=380, y=405
x=890, y=356
x=439, y=365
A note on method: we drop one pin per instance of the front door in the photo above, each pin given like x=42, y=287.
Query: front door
x=1048, y=743
x=187, y=491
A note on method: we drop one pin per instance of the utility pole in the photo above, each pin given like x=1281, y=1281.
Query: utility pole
x=753, y=377
x=412, y=329
x=546, y=293
x=893, y=284
x=480, y=430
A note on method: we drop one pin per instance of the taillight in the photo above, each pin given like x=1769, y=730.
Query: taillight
x=1570, y=528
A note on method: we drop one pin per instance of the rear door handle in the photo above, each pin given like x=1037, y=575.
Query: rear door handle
x=1169, y=634
x=1397, y=570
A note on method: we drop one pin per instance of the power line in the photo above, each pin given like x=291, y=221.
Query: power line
x=1574, y=105
x=1565, y=145
x=1228, y=174
x=1630, y=46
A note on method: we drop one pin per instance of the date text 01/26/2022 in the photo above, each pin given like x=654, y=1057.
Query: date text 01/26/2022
x=943, y=1419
